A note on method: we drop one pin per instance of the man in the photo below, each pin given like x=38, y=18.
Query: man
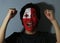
x=29, y=15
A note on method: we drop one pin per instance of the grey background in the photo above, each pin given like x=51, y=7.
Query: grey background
x=15, y=23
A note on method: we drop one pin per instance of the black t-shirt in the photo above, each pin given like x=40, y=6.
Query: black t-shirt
x=39, y=37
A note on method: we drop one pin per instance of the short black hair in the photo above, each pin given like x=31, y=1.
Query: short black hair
x=30, y=5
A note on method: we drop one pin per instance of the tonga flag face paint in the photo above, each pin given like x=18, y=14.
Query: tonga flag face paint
x=30, y=19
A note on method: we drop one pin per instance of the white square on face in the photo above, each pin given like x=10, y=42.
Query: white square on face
x=28, y=13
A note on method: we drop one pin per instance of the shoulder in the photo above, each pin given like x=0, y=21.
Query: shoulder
x=15, y=34
x=13, y=37
x=47, y=34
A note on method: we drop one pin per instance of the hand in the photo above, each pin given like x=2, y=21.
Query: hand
x=49, y=14
x=58, y=42
x=12, y=12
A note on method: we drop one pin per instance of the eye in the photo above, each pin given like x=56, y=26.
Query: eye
x=26, y=15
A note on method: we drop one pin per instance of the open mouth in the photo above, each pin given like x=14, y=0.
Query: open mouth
x=29, y=24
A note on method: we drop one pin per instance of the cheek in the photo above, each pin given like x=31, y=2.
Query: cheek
x=35, y=19
x=24, y=21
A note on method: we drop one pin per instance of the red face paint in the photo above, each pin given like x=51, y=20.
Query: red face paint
x=30, y=19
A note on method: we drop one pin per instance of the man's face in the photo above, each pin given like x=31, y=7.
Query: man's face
x=30, y=19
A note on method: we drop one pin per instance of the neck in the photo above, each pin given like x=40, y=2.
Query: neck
x=30, y=32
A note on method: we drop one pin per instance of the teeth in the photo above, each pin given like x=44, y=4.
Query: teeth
x=29, y=24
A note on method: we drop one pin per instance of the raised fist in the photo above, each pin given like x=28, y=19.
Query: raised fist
x=49, y=14
x=12, y=12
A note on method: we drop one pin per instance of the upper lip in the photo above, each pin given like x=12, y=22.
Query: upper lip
x=29, y=24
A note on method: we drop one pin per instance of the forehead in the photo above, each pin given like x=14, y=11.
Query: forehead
x=30, y=11
x=27, y=11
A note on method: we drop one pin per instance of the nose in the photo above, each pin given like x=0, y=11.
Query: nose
x=30, y=19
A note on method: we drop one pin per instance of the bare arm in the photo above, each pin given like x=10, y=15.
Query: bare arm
x=57, y=29
x=50, y=16
x=11, y=13
x=3, y=29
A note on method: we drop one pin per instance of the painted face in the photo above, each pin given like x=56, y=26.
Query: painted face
x=30, y=19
